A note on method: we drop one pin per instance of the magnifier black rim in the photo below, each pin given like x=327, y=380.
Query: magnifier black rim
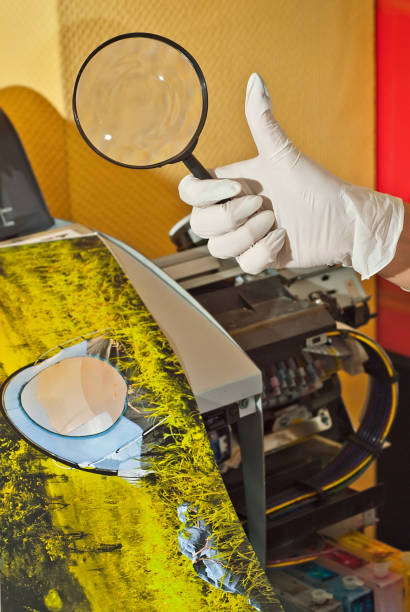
x=191, y=145
x=37, y=446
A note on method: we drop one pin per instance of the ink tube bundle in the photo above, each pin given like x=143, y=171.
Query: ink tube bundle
x=361, y=448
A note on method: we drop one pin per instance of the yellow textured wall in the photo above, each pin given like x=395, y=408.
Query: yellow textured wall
x=31, y=91
x=311, y=53
x=30, y=48
x=316, y=56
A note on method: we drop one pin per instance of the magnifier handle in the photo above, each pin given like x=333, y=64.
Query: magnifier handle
x=198, y=170
x=196, y=167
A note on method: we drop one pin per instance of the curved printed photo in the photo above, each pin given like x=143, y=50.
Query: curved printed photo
x=103, y=395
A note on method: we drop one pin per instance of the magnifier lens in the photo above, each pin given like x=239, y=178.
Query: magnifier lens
x=139, y=101
x=79, y=396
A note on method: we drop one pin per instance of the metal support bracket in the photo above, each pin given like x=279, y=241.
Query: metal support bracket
x=250, y=428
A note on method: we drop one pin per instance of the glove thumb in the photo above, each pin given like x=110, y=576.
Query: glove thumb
x=267, y=134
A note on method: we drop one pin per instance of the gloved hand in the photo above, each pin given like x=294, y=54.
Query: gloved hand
x=301, y=215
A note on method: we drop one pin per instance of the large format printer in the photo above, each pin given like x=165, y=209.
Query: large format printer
x=280, y=321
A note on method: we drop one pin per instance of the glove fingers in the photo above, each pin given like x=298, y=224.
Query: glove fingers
x=223, y=218
x=263, y=254
x=197, y=192
x=269, y=137
x=234, y=243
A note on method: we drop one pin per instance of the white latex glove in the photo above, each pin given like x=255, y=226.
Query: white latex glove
x=302, y=215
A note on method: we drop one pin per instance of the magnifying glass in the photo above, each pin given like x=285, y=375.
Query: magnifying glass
x=140, y=101
x=79, y=409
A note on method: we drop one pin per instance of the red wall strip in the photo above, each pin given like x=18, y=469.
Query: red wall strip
x=393, y=150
